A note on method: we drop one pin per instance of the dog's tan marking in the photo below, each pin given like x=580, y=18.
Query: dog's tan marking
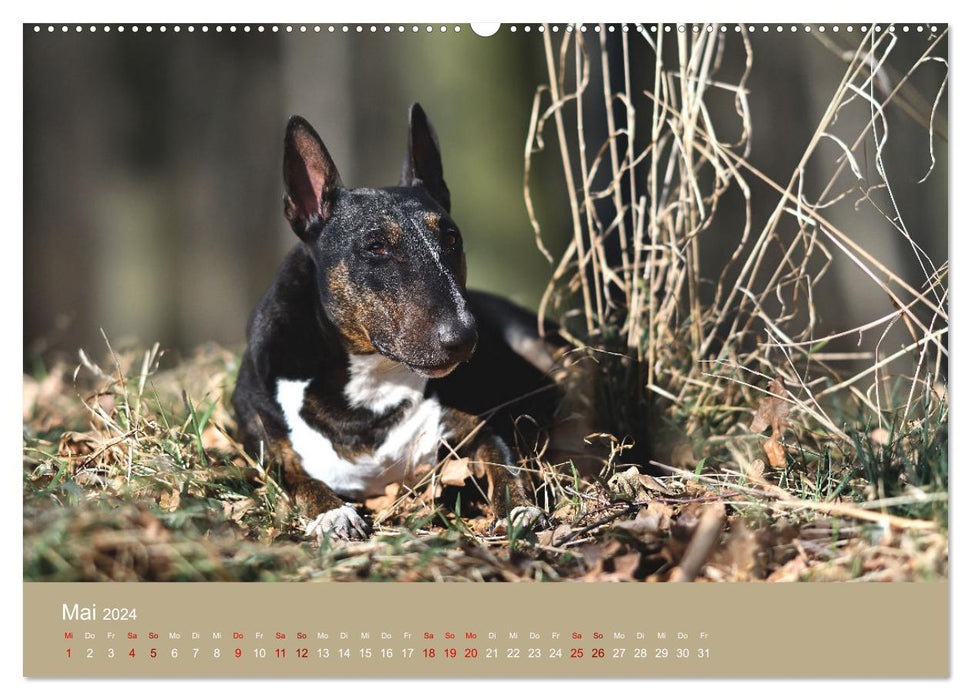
x=432, y=220
x=357, y=309
x=394, y=232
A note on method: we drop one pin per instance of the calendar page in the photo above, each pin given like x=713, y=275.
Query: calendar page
x=449, y=350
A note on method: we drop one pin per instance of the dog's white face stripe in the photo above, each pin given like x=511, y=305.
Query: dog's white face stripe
x=412, y=441
x=435, y=254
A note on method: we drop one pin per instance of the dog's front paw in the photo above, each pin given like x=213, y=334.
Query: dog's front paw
x=341, y=523
x=528, y=517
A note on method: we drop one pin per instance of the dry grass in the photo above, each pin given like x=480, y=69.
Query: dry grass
x=131, y=471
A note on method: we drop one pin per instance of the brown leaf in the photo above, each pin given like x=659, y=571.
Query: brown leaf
x=215, y=439
x=772, y=411
x=648, y=526
x=237, y=510
x=775, y=452
x=169, y=499
x=626, y=565
x=77, y=445
x=548, y=538
x=790, y=571
x=384, y=501
x=455, y=472
x=755, y=469
x=652, y=484
x=741, y=550
x=625, y=485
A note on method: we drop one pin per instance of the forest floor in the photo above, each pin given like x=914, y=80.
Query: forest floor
x=131, y=473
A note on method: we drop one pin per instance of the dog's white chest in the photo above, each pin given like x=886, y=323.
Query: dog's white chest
x=377, y=384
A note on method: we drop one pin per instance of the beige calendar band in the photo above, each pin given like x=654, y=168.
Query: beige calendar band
x=753, y=630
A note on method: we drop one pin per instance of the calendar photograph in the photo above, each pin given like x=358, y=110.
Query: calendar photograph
x=624, y=304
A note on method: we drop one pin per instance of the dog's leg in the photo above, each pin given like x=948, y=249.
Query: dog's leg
x=262, y=433
x=509, y=501
x=330, y=515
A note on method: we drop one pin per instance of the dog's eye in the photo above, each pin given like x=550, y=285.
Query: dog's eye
x=450, y=239
x=379, y=248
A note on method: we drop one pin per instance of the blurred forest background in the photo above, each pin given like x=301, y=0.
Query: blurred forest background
x=152, y=163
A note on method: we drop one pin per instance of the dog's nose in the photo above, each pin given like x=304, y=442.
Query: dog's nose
x=458, y=338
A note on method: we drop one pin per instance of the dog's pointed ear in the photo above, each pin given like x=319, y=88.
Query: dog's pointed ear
x=310, y=176
x=423, y=163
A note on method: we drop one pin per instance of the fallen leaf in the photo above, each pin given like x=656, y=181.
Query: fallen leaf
x=625, y=485
x=755, y=469
x=238, y=510
x=384, y=501
x=775, y=452
x=626, y=565
x=652, y=484
x=772, y=411
x=169, y=499
x=455, y=472
x=646, y=527
x=215, y=439
x=548, y=538
x=789, y=572
x=76, y=445
x=741, y=550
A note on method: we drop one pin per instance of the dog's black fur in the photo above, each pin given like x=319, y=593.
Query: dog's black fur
x=381, y=272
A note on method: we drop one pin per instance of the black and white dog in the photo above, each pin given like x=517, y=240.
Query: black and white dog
x=368, y=356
